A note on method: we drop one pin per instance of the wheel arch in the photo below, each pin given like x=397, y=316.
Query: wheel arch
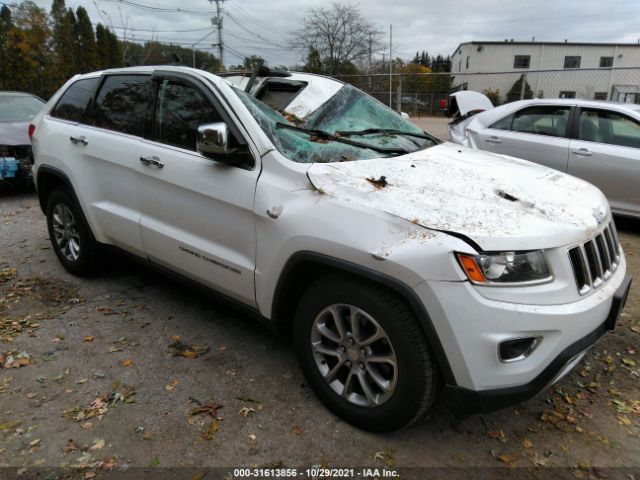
x=48, y=179
x=304, y=267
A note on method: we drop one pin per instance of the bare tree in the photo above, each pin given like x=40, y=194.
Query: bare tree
x=340, y=34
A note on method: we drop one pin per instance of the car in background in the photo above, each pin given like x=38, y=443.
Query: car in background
x=17, y=109
x=593, y=140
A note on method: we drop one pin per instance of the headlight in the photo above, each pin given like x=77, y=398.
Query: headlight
x=506, y=268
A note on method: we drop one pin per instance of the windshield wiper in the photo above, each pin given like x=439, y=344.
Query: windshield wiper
x=389, y=131
x=321, y=134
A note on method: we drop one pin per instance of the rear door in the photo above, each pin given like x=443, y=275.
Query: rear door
x=92, y=145
x=605, y=151
x=197, y=214
x=109, y=157
x=536, y=133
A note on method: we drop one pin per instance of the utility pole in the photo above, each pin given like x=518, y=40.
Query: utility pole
x=217, y=22
x=390, y=66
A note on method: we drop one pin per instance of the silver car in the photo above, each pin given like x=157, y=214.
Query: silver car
x=596, y=141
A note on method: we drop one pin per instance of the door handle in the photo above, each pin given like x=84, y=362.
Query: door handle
x=151, y=161
x=493, y=139
x=583, y=152
x=79, y=140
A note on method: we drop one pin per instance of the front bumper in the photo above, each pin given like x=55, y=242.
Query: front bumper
x=470, y=327
x=473, y=401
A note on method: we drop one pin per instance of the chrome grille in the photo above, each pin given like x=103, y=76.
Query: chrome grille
x=594, y=261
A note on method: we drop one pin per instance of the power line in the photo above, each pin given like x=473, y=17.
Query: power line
x=150, y=30
x=234, y=20
x=161, y=9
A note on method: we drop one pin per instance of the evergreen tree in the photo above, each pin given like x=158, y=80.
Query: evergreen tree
x=425, y=61
x=314, y=62
x=6, y=24
x=516, y=90
x=86, y=56
x=102, y=47
x=114, y=57
x=63, y=65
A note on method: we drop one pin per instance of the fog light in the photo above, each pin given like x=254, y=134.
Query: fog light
x=517, y=348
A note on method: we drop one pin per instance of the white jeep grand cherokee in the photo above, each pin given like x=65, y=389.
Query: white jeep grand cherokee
x=396, y=261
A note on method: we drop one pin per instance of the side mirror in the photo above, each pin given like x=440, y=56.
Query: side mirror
x=213, y=140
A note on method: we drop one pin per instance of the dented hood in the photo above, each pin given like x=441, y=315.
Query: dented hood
x=499, y=202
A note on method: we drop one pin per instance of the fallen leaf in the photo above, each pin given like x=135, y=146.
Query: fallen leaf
x=88, y=338
x=297, y=430
x=171, y=386
x=498, y=435
x=245, y=411
x=176, y=338
x=97, y=444
x=253, y=439
x=508, y=459
x=34, y=442
x=154, y=462
x=71, y=446
x=623, y=420
x=126, y=363
x=89, y=475
x=180, y=349
x=213, y=428
x=526, y=443
x=628, y=362
x=210, y=409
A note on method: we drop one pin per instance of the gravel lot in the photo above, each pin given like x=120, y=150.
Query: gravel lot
x=117, y=365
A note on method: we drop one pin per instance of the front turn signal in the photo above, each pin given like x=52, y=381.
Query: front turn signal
x=471, y=268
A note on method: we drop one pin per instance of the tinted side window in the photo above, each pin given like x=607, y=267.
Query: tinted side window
x=180, y=110
x=544, y=120
x=503, y=123
x=122, y=103
x=73, y=103
x=604, y=126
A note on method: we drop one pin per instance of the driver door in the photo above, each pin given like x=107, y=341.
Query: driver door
x=196, y=214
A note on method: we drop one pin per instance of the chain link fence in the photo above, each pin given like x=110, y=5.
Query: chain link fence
x=424, y=94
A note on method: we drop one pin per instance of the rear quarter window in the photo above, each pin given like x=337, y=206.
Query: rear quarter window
x=121, y=104
x=74, y=102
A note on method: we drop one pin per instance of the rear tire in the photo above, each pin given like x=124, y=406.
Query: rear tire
x=380, y=385
x=70, y=235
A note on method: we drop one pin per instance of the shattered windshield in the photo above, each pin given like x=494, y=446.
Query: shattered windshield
x=345, y=115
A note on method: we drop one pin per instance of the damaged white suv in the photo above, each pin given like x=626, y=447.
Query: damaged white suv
x=396, y=261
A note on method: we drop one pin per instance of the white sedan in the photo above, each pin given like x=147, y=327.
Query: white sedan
x=596, y=141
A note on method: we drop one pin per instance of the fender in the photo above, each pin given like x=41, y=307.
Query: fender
x=62, y=178
x=330, y=263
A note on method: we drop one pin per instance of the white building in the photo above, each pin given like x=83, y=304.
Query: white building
x=600, y=71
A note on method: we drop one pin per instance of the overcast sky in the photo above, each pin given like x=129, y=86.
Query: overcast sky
x=262, y=27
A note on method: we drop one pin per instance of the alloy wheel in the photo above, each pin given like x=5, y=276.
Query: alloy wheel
x=354, y=355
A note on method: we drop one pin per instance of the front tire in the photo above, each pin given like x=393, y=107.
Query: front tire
x=363, y=353
x=69, y=234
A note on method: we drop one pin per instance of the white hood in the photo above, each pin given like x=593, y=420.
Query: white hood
x=501, y=203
